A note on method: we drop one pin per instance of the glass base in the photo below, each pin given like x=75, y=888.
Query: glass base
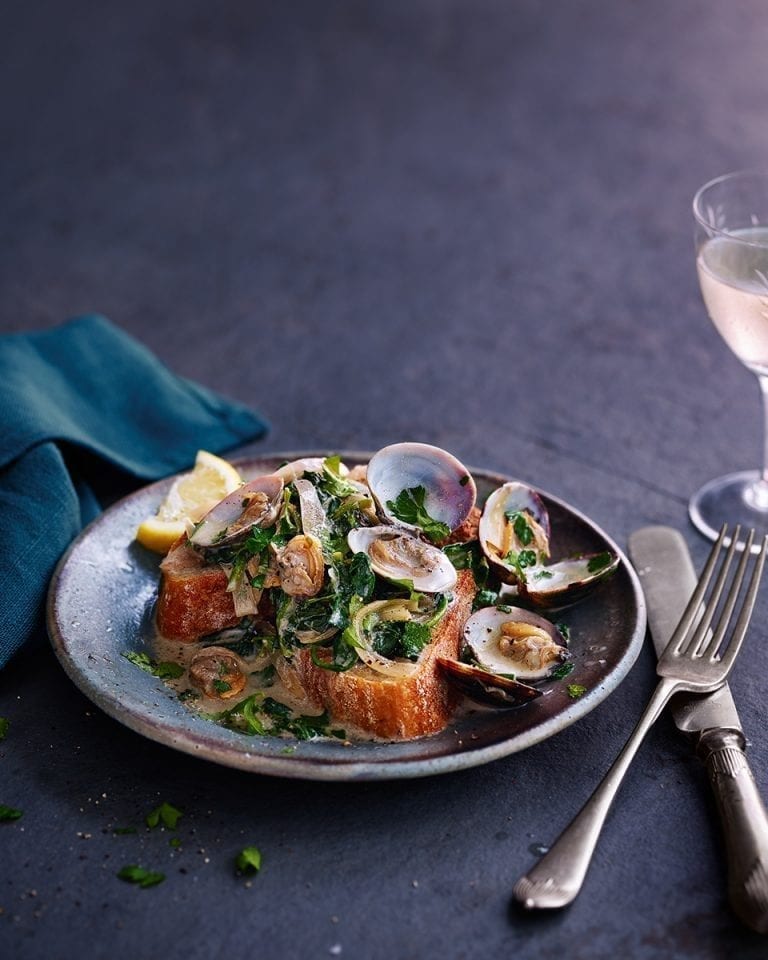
x=738, y=498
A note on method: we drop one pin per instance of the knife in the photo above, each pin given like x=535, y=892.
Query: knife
x=662, y=561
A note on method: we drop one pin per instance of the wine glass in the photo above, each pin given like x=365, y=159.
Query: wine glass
x=731, y=224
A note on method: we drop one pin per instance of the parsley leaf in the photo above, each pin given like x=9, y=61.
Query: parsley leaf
x=141, y=877
x=416, y=636
x=599, y=561
x=9, y=813
x=576, y=690
x=4, y=725
x=520, y=525
x=561, y=672
x=409, y=507
x=165, y=813
x=248, y=860
x=166, y=670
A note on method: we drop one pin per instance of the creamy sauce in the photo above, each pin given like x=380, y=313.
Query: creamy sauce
x=165, y=650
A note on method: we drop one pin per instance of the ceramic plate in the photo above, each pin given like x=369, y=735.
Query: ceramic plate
x=100, y=605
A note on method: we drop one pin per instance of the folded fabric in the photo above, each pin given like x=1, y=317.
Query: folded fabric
x=84, y=408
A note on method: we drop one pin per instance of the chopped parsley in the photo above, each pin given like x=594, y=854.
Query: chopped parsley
x=141, y=877
x=409, y=507
x=166, y=669
x=4, y=725
x=166, y=814
x=260, y=715
x=9, y=813
x=520, y=561
x=520, y=525
x=576, y=690
x=248, y=861
x=561, y=672
x=124, y=831
x=599, y=561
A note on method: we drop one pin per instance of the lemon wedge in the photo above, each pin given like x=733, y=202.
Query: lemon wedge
x=191, y=496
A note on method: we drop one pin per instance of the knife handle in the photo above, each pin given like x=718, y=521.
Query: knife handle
x=744, y=820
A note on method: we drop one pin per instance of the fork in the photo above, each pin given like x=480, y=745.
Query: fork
x=695, y=660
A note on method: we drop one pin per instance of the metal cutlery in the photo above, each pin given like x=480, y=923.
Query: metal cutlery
x=662, y=561
x=697, y=659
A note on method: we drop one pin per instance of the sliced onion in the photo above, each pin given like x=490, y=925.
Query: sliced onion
x=313, y=519
x=386, y=610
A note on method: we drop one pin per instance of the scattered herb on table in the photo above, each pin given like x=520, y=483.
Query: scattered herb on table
x=166, y=814
x=124, y=831
x=409, y=507
x=9, y=813
x=248, y=860
x=576, y=690
x=141, y=877
x=4, y=725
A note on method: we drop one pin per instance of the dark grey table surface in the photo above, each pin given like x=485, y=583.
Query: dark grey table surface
x=463, y=223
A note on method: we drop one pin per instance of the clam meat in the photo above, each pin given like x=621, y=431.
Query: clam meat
x=218, y=672
x=301, y=567
x=512, y=641
x=400, y=556
x=514, y=530
x=255, y=504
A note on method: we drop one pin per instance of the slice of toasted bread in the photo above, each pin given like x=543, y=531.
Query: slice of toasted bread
x=193, y=599
x=394, y=708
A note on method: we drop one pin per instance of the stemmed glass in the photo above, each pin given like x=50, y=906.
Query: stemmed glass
x=731, y=224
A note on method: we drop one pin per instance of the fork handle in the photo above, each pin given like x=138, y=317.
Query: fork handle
x=557, y=878
x=745, y=823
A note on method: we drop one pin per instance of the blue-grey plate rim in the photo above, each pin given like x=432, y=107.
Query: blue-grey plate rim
x=99, y=606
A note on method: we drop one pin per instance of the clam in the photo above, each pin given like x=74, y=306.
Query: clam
x=301, y=566
x=255, y=504
x=218, y=672
x=421, y=487
x=510, y=649
x=486, y=688
x=400, y=556
x=513, y=641
x=568, y=581
x=514, y=530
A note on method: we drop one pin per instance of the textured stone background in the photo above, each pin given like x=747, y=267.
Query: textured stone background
x=461, y=222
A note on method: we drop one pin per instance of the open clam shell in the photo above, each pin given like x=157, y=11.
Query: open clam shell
x=567, y=582
x=514, y=530
x=512, y=641
x=449, y=490
x=255, y=504
x=400, y=556
x=487, y=688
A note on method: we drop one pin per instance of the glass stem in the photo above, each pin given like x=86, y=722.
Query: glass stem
x=759, y=493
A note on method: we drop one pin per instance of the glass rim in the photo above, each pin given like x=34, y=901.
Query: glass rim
x=706, y=224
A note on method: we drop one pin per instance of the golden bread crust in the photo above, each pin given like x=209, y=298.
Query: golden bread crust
x=193, y=599
x=394, y=708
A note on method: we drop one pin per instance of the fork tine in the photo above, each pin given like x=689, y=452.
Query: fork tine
x=746, y=611
x=712, y=643
x=692, y=610
x=701, y=642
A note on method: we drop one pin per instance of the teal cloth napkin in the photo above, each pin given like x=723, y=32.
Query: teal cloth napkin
x=85, y=409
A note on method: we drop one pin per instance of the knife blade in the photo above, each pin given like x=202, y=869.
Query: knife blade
x=661, y=559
